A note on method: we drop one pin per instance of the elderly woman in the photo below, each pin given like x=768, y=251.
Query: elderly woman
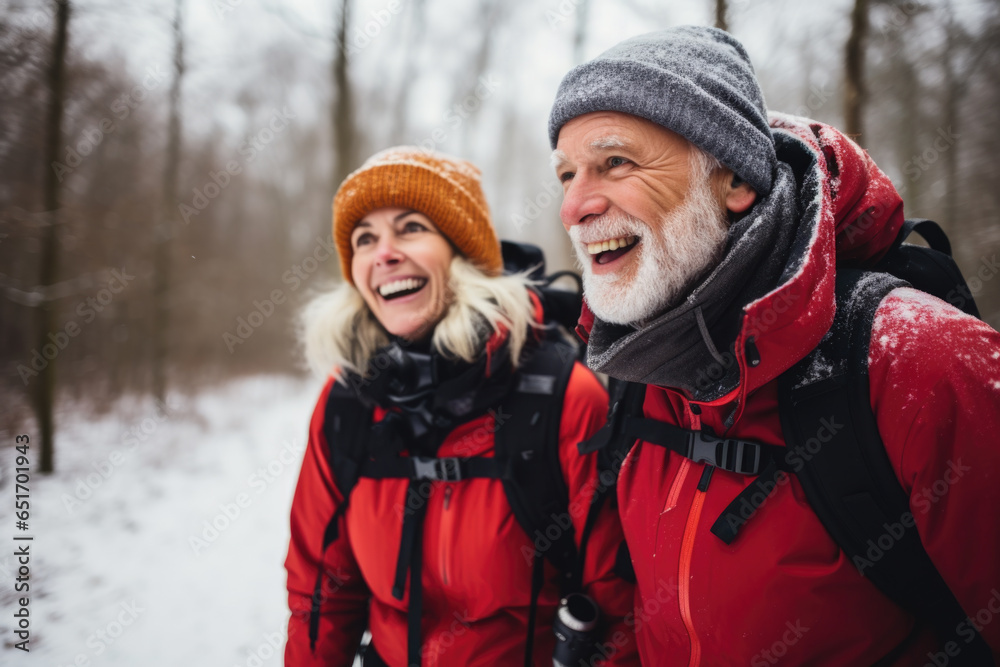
x=442, y=497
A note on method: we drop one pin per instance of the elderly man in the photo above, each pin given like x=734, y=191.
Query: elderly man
x=711, y=240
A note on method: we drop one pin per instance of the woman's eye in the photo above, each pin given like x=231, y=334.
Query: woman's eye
x=413, y=226
x=617, y=161
x=364, y=239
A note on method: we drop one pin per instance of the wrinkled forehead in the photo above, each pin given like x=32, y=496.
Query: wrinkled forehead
x=600, y=132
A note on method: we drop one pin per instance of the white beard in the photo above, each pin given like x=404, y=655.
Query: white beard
x=672, y=255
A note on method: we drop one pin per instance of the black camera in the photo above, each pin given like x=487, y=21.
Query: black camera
x=576, y=630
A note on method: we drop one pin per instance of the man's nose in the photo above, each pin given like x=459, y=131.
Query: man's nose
x=583, y=199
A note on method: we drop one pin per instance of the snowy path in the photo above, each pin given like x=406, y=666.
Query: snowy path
x=115, y=578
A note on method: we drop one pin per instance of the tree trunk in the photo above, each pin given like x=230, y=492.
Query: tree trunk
x=953, y=92
x=343, y=107
x=855, y=93
x=165, y=225
x=721, y=12
x=416, y=34
x=907, y=132
x=580, y=34
x=489, y=11
x=50, y=247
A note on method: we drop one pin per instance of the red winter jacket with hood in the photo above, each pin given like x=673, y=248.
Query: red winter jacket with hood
x=783, y=590
x=476, y=580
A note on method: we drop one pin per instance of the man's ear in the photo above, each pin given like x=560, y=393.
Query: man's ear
x=739, y=196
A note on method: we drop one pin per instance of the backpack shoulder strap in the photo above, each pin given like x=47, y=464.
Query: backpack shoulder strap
x=527, y=445
x=527, y=441
x=612, y=442
x=932, y=269
x=346, y=423
x=837, y=453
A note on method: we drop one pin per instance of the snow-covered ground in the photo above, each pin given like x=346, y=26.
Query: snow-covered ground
x=169, y=553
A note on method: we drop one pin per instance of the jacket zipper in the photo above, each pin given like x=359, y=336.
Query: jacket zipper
x=446, y=524
x=675, y=486
x=687, y=550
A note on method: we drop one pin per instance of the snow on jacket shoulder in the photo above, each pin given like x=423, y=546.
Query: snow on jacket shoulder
x=935, y=384
x=783, y=590
x=476, y=580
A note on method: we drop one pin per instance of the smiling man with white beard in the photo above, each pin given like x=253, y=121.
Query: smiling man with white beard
x=725, y=251
x=669, y=254
x=672, y=209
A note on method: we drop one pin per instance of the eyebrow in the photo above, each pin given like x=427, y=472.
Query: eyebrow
x=365, y=223
x=558, y=159
x=404, y=214
x=610, y=141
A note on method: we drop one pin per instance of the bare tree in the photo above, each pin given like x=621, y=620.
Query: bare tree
x=896, y=49
x=489, y=14
x=163, y=232
x=721, y=15
x=956, y=86
x=580, y=33
x=50, y=245
x=416, y=33
x=345, y=132
x=343, y=107
x=909, y=92
x=854, y=61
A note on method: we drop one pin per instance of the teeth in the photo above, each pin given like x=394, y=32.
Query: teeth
x=613, y=244
x=400, y=285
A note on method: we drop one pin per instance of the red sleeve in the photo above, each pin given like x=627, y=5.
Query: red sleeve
x=585, y=408
x=935, y=385
x=344, y=604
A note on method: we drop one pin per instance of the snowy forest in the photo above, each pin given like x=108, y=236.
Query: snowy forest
x=166, y=175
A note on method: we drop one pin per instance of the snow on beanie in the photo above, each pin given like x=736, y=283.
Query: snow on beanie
x=445, y=189
x=693, y=80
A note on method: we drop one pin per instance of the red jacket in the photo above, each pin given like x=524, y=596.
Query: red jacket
x=476, y=580
x=783, y=590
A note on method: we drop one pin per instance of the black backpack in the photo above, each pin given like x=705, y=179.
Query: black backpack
x=833, y=444
x=562, y=307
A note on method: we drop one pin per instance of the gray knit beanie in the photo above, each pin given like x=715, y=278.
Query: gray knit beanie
x=693, y=80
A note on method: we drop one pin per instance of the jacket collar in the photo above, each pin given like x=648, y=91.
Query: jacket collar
x=849, y=212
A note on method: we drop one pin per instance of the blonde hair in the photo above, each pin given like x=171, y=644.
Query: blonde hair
x=340, y=333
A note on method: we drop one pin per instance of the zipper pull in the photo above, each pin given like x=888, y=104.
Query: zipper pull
x=752, y=353
x=706, y=478
x=694, y=415
x=447, y=495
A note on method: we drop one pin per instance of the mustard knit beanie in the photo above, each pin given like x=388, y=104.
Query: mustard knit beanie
x=445, y=189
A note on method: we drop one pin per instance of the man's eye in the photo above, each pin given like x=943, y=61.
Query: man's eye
x=565, y=176
x=364, y=239
x=617, y=161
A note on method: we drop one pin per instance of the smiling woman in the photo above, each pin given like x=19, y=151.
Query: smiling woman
x=443, y=443
x=400, y=267
x=422, y=264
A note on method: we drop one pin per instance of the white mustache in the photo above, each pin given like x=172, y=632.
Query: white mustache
x=608, y=226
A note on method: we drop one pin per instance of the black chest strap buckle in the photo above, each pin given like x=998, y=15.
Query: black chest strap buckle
x=743, y=457
x=437, y=470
